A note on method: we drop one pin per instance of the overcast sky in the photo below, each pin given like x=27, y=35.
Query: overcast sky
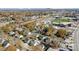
x=39, y=3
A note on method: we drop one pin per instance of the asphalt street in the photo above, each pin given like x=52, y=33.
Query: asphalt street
x=76, y=39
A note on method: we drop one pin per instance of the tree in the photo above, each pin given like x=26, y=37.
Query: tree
x=30, y=25
x=47, y=30
x=61, y=33
x=7, y=28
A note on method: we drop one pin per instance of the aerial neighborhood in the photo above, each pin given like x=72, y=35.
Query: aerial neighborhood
x=39, y=29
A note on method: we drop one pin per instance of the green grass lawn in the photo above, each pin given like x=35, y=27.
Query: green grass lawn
x=61, y=20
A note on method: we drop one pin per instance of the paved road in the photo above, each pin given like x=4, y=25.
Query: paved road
x=76, y=39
